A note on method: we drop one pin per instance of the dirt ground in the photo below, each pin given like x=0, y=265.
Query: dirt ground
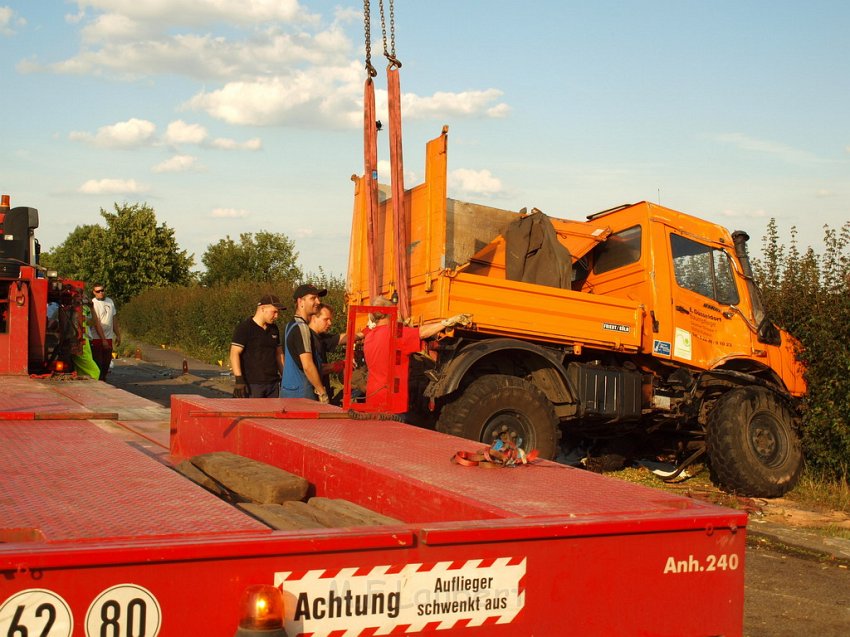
x=788, y=592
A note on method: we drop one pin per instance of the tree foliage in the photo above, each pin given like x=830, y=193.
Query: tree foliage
x=131, y=254
x=809, y=295
x=264, y=256
x=79, y=256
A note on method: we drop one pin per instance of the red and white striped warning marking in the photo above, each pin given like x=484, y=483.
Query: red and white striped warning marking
x=402, y=598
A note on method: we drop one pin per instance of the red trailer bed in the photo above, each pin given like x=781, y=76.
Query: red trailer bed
x=102, y=537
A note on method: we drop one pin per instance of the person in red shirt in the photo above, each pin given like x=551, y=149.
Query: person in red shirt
x=376, y=350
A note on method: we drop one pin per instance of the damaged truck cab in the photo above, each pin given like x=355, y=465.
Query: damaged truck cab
x=639, y=320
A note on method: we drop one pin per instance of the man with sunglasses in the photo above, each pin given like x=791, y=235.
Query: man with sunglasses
x=101, y=347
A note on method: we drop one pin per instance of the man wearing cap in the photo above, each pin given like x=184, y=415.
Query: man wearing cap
x=301, y=376
x=256, y=355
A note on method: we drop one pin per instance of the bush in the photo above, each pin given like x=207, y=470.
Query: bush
x=200, y=320
x=809, y=295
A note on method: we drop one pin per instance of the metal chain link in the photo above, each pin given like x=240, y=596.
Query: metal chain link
x=392, y=28
x=367, y=21
x=389, y=54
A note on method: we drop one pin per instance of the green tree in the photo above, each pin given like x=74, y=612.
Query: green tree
x=264, y=256
x=809, y=295
x=133, y=253
x=79, y=256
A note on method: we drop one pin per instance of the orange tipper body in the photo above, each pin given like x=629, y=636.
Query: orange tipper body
x=641, y=281
x=638, y=322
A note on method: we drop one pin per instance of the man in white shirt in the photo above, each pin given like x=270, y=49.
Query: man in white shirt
x=104, y=307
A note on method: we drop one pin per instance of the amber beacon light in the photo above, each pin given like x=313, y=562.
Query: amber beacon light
x=261, y=612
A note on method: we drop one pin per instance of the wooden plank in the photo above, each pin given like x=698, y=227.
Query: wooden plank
x=187, y=469
x=280, y=517
x=348, y=508
x=322, y=518
x=250, y=479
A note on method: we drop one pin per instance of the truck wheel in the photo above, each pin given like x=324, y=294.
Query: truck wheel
x=496, y=404
x=753, y=447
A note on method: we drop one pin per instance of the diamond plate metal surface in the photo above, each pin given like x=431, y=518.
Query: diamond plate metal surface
x=391, y=450
x=545, y=488
x=71, y=480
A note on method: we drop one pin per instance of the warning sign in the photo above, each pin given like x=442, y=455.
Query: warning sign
x=409, y=597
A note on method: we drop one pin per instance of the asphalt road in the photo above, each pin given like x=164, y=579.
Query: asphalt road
x=786, y=595
x=790, y=596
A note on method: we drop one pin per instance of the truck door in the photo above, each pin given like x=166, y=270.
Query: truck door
x=706, y=328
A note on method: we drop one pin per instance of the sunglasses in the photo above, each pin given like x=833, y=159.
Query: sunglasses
x=99, y=291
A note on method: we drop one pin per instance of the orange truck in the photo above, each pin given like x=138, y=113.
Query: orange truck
x=639, y=322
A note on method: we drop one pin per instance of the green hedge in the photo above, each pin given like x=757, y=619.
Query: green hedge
x=200, y=320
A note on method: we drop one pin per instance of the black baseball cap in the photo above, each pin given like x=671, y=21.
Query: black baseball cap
x=271, y=299
x=307, y=288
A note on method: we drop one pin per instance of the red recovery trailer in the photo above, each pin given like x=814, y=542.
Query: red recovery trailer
x=99, y=536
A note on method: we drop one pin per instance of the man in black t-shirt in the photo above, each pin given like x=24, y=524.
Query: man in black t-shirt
x=256, y=354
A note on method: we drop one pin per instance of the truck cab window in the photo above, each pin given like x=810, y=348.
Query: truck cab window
x=621, y=248
x=704, y=270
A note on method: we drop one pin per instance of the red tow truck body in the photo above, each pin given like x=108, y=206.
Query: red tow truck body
x=99, y=536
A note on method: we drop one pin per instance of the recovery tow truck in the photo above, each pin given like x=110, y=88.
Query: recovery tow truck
x=100, y=536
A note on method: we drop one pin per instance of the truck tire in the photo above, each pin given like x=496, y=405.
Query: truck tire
x=753, y=447
x=497, y=403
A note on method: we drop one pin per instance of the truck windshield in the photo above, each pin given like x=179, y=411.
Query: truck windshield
x=704, y=270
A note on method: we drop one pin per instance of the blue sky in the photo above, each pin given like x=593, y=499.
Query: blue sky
x=238, y=116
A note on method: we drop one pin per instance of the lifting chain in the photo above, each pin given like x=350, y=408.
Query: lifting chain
x=367, y=21
x=390, y=55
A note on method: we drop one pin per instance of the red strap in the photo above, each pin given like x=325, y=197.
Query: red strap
x=400, y=209
x=467, y=459
x=370, y=181
x=493, y=459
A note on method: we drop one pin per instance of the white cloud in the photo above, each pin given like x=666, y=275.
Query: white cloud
x=262, y=62
x=478, y=182
x=176, y=164
x=137, y=39
x=111, y=27
x=499, y=110
x=348, y=14
x=464, y=104
x=326, y=96
x=9, y=21
x=130, y=134
x=228, y=213
x=780, y=151
x=329, y=96
x=824, y=193
x=179, y=132
x=203, y=12
x=111, y=187
x=224, y=143
x=303, y=233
